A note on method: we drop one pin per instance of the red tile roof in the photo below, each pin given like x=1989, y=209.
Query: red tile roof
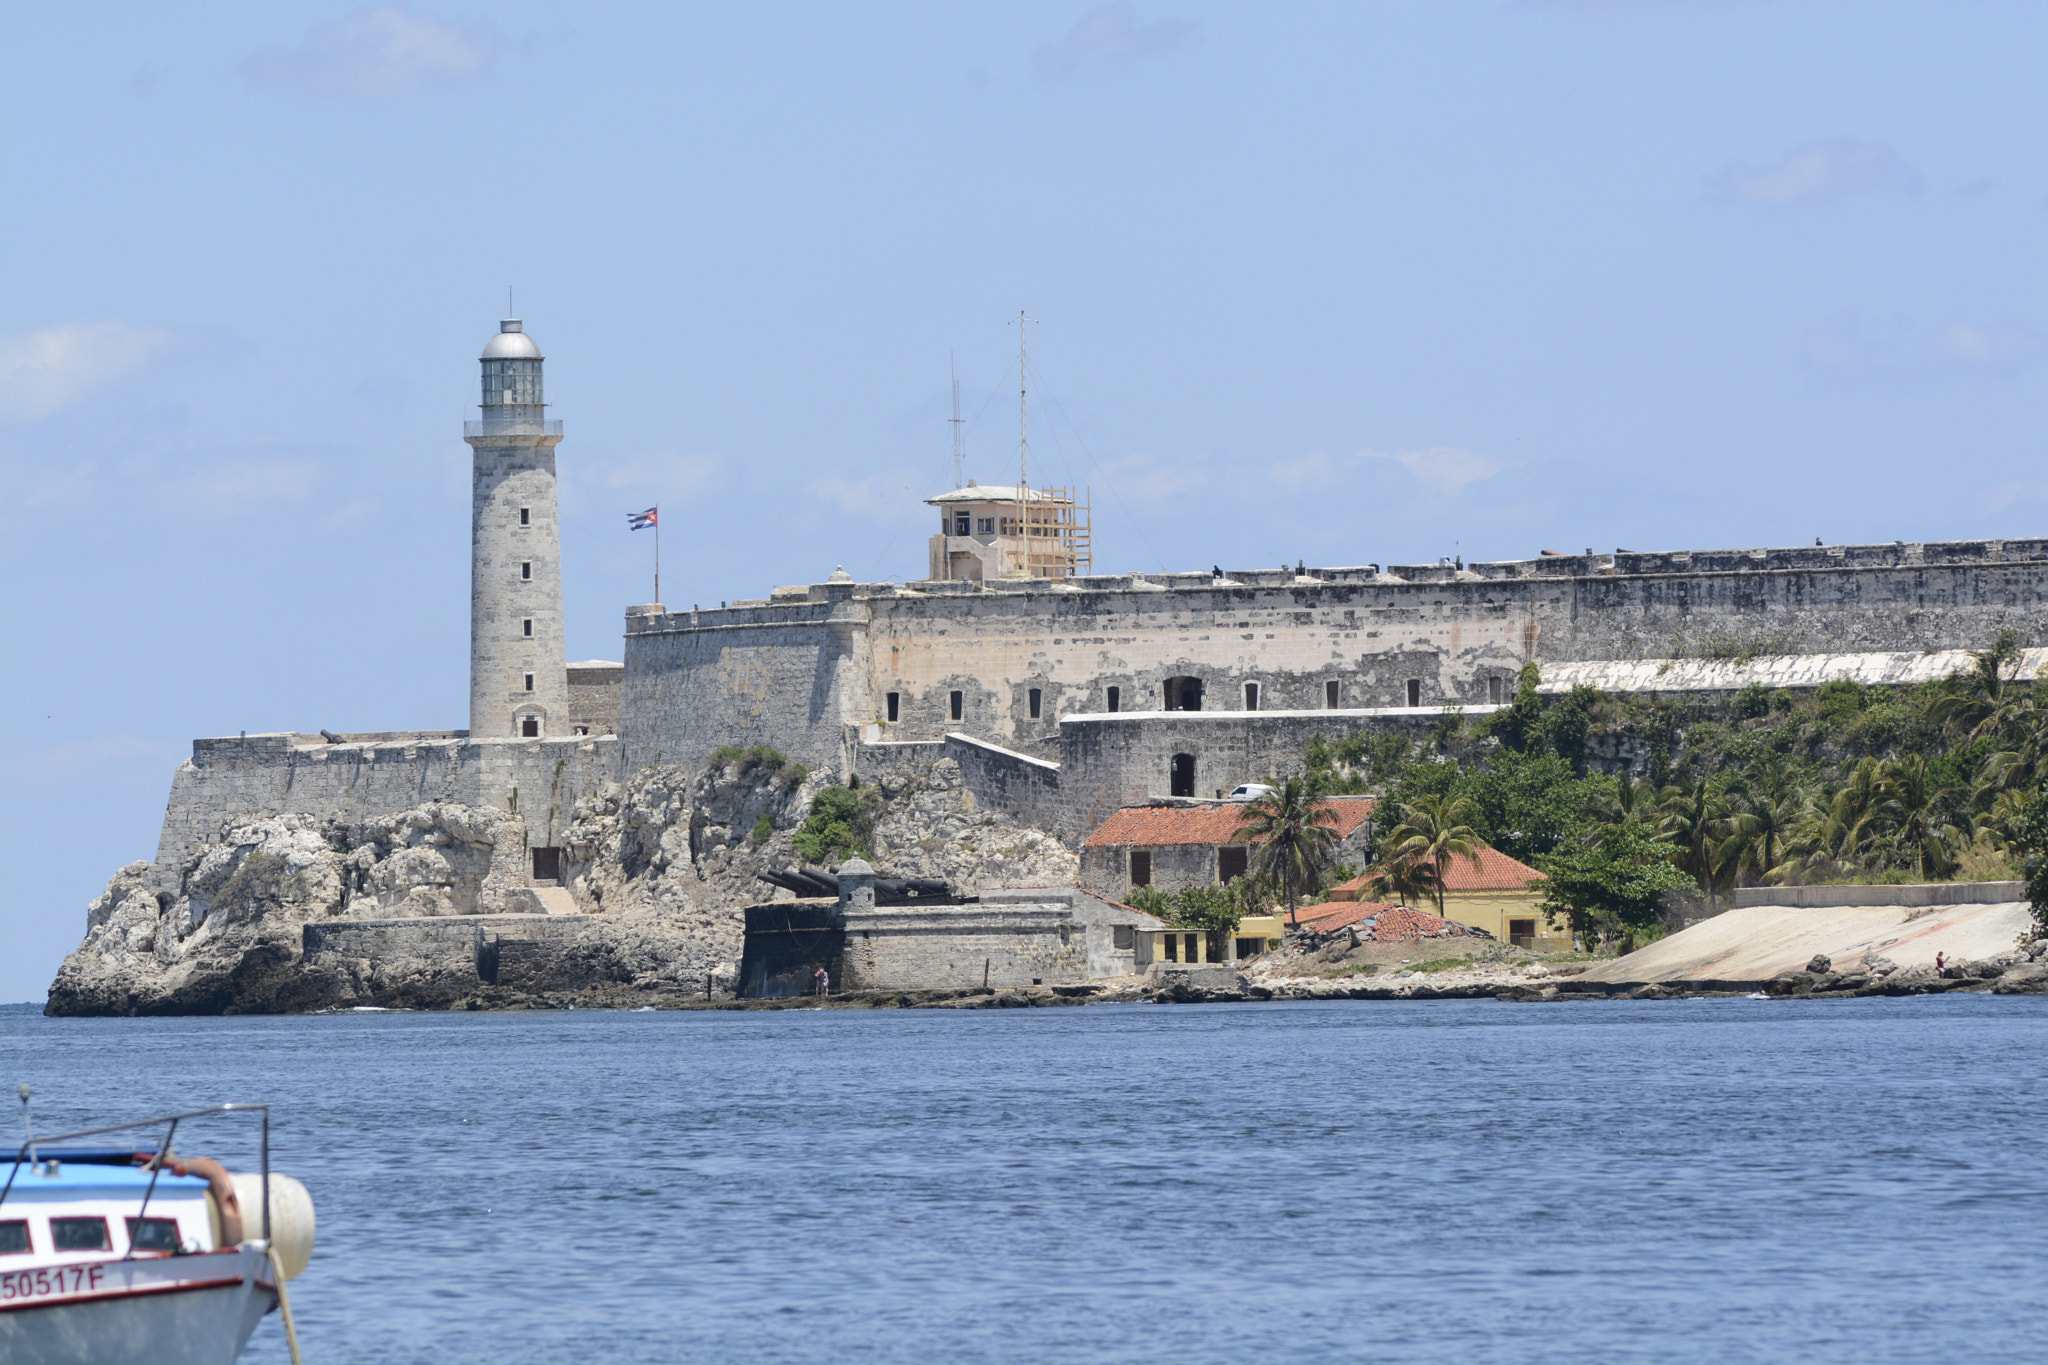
x=1151, y=826
x=1391, y=923
x=1496, y=872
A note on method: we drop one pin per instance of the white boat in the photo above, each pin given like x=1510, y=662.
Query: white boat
x=111, y=1255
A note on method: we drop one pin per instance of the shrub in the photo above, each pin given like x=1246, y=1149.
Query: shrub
x=841, y=822
x=764, y=830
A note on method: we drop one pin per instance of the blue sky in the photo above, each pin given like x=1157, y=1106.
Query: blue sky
x=1346, y=283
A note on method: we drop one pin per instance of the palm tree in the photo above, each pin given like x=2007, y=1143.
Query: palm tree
x=1433, y=830
x=1913, y=799
x=1629, y=797
x=1693, y=823
x=1295, y=837
x=1775, y=804
x=1984, y=694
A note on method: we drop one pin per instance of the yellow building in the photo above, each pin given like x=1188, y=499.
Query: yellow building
x=1255, y=933
x=1501, y=895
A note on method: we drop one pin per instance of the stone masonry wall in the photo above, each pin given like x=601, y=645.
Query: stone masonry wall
x=797, y=673
x=281, y=774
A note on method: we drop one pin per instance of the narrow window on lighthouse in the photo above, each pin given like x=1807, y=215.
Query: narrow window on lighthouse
x=524, y=518
x=528, y=624
x=529, y=682
x=526, y=570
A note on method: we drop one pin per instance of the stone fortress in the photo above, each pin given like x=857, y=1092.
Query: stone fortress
x=1058, y=694
x=1067, y=694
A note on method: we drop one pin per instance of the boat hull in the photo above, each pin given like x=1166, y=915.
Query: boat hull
x=177, y=1310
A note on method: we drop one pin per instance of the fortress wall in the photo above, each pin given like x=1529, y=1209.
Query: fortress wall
x=1074, y=645
x=279, y=774
x=797, y=673
x=754, y=675
x=1804, y=611
x=1125, y=760
x=1024, y=788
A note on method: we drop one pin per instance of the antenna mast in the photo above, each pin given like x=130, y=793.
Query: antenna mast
x=1023, y=444
x=959, y=440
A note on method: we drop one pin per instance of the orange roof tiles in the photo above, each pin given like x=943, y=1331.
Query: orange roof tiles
x=1150, y=826
x=1391, y=923
x=1496, y=872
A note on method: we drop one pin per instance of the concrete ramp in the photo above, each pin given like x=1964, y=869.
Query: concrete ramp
x=1754, y=943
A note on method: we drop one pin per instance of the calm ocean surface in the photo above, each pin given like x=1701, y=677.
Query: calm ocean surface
x=1724, y=1180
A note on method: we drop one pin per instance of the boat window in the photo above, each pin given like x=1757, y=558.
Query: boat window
x=153, y=1234
x=14, y=1237
x=80, y=1234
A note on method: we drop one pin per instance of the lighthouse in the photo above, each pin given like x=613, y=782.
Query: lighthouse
x=518, y=678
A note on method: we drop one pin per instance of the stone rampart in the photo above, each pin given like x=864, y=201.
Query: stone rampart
x=1923, y=893
x=283, y=774
x=1128, y=758
x=967, y=945
x=1010, y=661
x=1026, y=789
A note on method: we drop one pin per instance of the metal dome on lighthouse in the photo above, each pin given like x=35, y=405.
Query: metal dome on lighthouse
x=518, y=672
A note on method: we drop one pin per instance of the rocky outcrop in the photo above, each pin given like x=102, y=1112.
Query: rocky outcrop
x=663, y=866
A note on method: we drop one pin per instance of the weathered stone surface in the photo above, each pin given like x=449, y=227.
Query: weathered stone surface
x=664, y=864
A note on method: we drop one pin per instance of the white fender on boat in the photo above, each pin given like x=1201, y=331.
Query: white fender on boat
x=292, y=1208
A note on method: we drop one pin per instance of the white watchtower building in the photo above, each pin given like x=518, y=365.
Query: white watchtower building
x=518, y=675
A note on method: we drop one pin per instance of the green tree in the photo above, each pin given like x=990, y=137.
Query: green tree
x=1980, y=697
x=1913, y=800
x=840, y=823
x=1294, y=838
x=1520, y=727
x=1434, y=830
x=1615, y=888
x=1526, y=805
x=2030, y=840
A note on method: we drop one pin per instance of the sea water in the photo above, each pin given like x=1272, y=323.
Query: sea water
x=1718, y=1180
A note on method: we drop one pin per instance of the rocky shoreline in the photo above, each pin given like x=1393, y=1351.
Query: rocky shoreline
x=2022, y=972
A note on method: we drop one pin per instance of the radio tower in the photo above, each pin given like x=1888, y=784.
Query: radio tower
x=959, y=438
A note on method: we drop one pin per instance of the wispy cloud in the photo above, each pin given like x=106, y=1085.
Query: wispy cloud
x=1108, y=37
x=1150, y=480
x=1818, y=172
x=88, y=759
x=888, y=494
x=657, y=473
x=46, y=371
x=1446, y=471
x=1855, y=346
x=383, y=51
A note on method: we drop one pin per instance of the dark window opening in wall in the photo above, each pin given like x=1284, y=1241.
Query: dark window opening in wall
x=895, y=706
x=1183, y=694
x=547, y=864
x=526, y=569
x=1182, y=775
x=1522, y=933
x=527, y=626
x=583, y=729
x=958, y=703
x=1033, y=699
x=987, y=526
x=525, y=516
x=1251, y=696
x=1493, y=690
x=529, y=682
x=1190, y=950
x=960, y=524
x=1141, y=867
x=1123, y=936
x=1231, y=862
x=1171, y=943
x=1116, y=696
x=1415, y=691
x=1330, y=696
x=529, y=727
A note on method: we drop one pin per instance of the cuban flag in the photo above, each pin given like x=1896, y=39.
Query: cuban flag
x=640, y=521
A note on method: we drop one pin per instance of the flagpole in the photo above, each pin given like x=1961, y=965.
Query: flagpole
x=657, y=554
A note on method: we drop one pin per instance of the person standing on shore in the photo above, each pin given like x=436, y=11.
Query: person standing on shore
x=1940, y=959
x=824, y=979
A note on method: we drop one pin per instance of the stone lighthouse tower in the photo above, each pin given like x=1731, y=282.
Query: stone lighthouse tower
x=518, y=679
